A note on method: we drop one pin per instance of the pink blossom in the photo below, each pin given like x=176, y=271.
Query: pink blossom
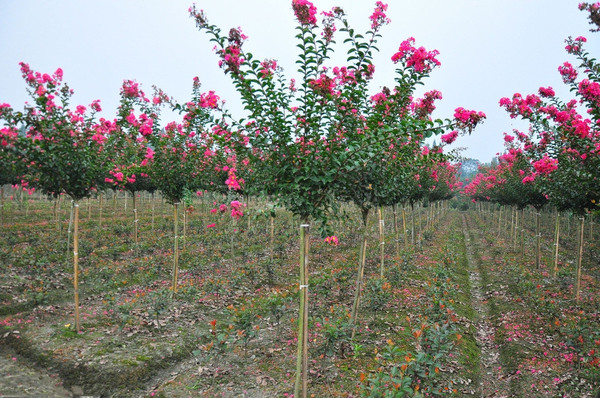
x=378, y=18
x=305, y=12
x=545, y=165
x=211, y=225
x=568, y=73
x=419, y=59
x=547, y=92
x=450, y=137
x=332, y=240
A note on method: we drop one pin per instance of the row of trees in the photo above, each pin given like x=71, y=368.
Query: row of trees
x=557, y=162
x=306, y=143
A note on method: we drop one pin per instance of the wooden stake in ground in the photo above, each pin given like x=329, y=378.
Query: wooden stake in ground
x=135, y=221
x=76, y=265
x=538, y=238
x=361, y=270
x=579, y=258
x=100, y=211
x=69, y=229
x=272, y=241
x=1, y=206
x=176, y=251
x=153, y=211
x=556, y=242
x=381, y=240
x=404, y=227
x=394, y=208
x=412, y=232
x=301, y=382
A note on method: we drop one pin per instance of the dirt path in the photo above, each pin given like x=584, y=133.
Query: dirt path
x=17, y=379
x=491, y=382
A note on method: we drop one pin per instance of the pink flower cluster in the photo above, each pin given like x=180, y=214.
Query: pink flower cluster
x=547, y=92
x=332, y=240
x=231, y=58
x=450, y=137
x=7, y=135
x=323, y=86
x=268, y=67
x=419, y=59
x=378, y=18
x=131, y=89
x=209, y=100
x=545, y=165
x=575, y=46
x=467, y=118
x=568, y=73
x=590, y=91
x=305, y=12
x=425, y=106
x=236, y=209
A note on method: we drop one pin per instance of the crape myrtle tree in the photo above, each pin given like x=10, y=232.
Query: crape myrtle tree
x=9, y=161
x=184, y=155
x=129, y=146
x=563, y=143
x=307, y=136
x=62, y=149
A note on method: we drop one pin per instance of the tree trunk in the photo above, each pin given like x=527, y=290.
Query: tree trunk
x=556, y=242
x=381, y=241
x=538, y=237
x=301, y=382
x=405, y=231
x=76, y=265
x=176, y=251
x=394, y=208
x=579, y=258
x=361, y=270
x=412, y=232
x=1, y=206
x=100, y=211
x=153, y=211
x=135, y=221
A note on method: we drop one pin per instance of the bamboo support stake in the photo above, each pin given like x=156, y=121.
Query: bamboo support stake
x=1, y=206
x=76, y=265
x=516, y=232
x=135, y=222
x=381, y=241
x=412, y=232
x=185, y=221
x=153, y=211
x=361, y=271
x=420, y=236
x=579, y=258
x=100, y=211
x=301, y=382
x=522, y=233
x=176, y=251
x=272, y=241
x=396, y=234
x=538, y=237
x=404, y=228
x=556, y=243
x=69, y=229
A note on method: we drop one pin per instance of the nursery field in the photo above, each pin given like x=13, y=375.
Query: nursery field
x=461, y=309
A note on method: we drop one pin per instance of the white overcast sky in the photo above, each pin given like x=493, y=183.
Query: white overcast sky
x=488, y=49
